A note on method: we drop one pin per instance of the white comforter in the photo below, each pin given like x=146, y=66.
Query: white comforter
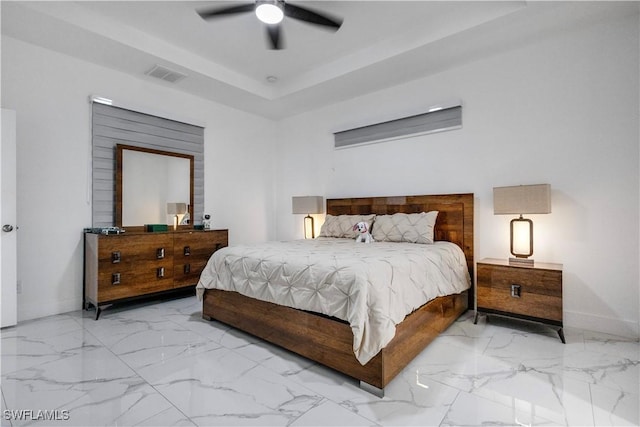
x=371, y=286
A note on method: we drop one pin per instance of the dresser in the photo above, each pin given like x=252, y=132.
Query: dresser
x=122, y=267
x=530, y=292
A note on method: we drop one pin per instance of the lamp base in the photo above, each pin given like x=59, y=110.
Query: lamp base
x=309, y=231
x=521, y=261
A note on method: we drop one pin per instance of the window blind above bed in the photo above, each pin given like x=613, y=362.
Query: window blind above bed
x=435, y=121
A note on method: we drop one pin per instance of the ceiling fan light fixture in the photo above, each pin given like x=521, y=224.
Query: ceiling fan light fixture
x=270, y=12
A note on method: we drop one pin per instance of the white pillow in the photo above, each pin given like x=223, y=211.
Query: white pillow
x=342, y=225
x=401, y=227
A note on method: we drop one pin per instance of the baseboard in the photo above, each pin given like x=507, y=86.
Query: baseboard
x=36, y=311
x=607, y=325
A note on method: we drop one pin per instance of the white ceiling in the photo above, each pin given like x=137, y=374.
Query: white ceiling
x=380, y=44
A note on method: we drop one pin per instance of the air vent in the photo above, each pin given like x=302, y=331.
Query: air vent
x=166, y=74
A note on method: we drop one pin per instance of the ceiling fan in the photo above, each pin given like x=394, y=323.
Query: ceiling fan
x=272, y=12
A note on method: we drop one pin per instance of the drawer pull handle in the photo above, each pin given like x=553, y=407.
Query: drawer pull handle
x=187, y=251
x=515, y=291
x=115, y=257
x=160, y=253
x=115, y=279
x=187, y=268
x=160, y=272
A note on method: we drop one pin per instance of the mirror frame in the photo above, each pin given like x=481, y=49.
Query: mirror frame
x=118, y=193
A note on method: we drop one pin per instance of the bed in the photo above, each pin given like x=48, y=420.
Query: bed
x=342, y=341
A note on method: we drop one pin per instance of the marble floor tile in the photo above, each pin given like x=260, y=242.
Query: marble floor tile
x=95, y=387
x=597, y=341
x=158, y=363
x=407, y=401
x=471, y=410
x=275, y=358
x=168, y=417
x=329, y=413
x=615, y=407
x=27, y=347
x=222, y=387
x=162, y=343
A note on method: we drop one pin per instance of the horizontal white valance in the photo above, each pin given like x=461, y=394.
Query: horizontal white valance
x=435, y=121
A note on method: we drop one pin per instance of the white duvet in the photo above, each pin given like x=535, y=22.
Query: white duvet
x=370, y=286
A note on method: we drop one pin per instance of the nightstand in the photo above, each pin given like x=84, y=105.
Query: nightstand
x=530, y=292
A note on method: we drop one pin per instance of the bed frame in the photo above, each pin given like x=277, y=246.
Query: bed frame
x=329, y=341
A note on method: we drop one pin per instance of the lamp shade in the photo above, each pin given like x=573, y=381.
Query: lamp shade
x=176, y=208
x=307, y=205
x=522, y=199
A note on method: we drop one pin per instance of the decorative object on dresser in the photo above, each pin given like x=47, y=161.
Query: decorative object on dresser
x=307, y=205
x=175, y=210
x=529, y=292
x=206, y=222
x=518, y=200
x=121, y=267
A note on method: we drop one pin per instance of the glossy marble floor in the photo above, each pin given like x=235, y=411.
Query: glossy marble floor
x=159, y=364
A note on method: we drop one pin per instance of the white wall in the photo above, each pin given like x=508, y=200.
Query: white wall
x=49, y=92
x=562, y=111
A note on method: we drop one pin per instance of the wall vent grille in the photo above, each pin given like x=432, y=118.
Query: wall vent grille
x=166, y=74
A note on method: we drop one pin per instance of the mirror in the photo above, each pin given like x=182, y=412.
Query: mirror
x=146, y=181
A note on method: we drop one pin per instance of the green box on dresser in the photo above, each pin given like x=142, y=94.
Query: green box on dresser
x=131, y=265
x=530, y=292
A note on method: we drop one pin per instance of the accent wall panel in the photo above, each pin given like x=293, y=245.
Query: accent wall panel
x=113, y=125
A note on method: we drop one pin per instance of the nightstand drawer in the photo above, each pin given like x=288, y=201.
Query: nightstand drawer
x=528, y=304
x=523, y=291
x=542, y=282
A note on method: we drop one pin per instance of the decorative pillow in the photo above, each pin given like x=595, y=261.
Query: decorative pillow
x=401, y=227
x=342, y=225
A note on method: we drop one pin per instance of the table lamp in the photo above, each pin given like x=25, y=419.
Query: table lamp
x=307, y=205
x=519, y=200
x=176, y=209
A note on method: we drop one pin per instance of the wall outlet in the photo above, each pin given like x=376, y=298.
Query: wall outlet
x=19, y=286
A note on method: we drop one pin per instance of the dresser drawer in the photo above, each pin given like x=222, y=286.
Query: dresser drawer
x=199, y=245
x=529, y=292
x=127, y=252
x=115, y=282
x=188, y=273
x=192, y=252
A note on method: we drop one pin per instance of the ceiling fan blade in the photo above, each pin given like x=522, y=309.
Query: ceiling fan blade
x=231, y=10
x=273, y=32
x=304, y=14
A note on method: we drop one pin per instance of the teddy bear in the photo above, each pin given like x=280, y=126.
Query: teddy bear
x=363, y=232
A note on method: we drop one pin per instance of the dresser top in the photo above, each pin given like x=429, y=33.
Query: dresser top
x=138, y=232
x=536, y=264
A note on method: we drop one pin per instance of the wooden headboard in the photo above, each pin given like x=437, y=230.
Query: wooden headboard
x=454, y=222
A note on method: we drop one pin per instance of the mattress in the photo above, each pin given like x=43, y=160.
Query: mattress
x=371, y=286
